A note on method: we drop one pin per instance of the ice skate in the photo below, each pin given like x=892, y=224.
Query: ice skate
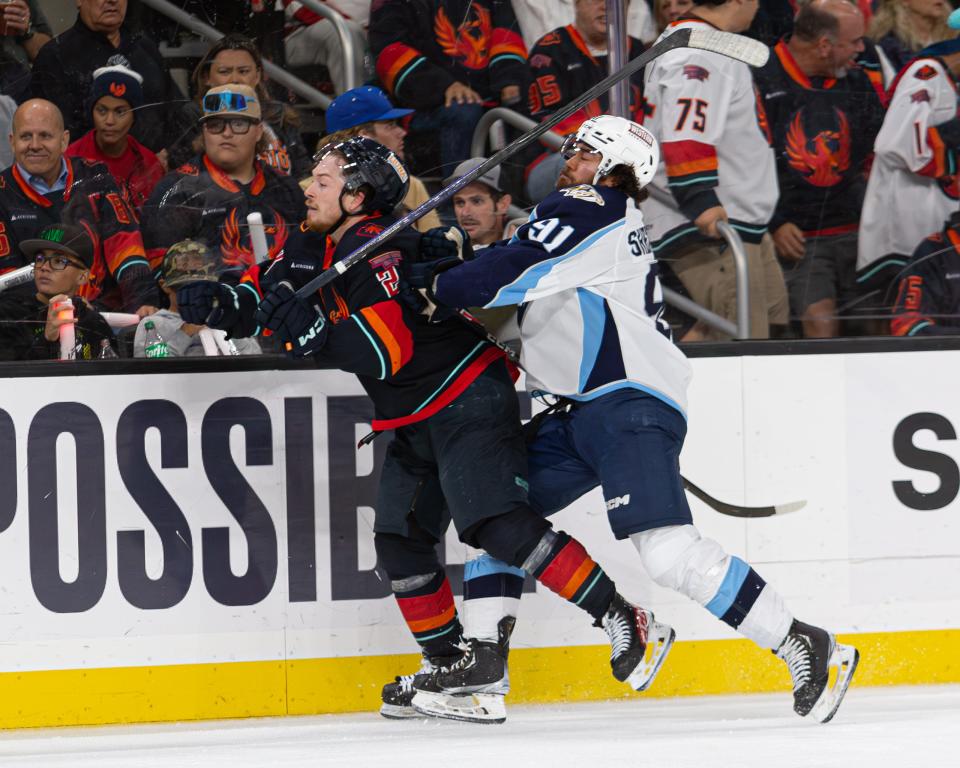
x=473, y=689
x=810, y=653
x=638, y=643
x=397, y=697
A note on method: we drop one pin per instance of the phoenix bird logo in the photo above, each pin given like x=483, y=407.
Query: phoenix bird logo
x=822, y=159
x=470, y=42
x=118, y=89
x=694, y=72
x=236, y=254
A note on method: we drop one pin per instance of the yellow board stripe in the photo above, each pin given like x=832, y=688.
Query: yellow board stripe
x=315, y=686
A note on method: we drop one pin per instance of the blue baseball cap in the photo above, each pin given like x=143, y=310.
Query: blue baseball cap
x=357, y=106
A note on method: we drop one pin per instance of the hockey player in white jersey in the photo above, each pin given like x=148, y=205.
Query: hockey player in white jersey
x=584, y=276
x=913, y=185
x=717, y=165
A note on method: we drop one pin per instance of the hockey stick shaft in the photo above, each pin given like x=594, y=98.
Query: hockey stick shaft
x=734, y=46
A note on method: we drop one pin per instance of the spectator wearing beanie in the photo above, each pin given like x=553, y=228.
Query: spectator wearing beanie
x=115, y=96
x=366, y=111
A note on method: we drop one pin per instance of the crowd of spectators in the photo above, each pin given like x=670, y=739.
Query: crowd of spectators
x=856, y=118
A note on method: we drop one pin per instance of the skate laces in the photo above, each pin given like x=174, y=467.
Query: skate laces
x=406, y=681
x=619, y=630
x=464, y=661
x=796, y=653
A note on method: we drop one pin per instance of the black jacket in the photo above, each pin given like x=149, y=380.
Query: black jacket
x=120, y=277
x=63, y=74
x=22, y=322
x=928, y=297
x=199, y=201
x=823, y=132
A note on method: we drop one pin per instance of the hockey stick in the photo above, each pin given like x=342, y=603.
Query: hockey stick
x=743, y=49
x=734, y=510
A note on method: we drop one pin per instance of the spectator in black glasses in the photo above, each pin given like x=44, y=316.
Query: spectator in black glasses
x=235, y=60
x=208, y=199
x=30, y=324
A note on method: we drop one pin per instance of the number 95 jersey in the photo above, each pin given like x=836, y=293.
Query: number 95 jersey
x=583, y=273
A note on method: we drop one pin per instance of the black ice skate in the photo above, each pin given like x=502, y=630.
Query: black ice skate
x=810, y=653
x=638, y=644
x=397, y=697
x=473, y=689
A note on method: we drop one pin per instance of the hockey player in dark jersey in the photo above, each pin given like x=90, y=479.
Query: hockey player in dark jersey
x=824, y=113
x=43, y=187
x=928, y=296
x=457, y=450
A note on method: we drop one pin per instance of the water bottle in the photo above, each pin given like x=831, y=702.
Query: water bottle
x=154, y=345
x=106, y=351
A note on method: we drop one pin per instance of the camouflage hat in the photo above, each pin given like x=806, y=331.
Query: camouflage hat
x=186, y=262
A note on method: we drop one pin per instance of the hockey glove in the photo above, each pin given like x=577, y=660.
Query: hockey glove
x=293, y=320
x=417, y=288
x=444, y=243
x=208, y=303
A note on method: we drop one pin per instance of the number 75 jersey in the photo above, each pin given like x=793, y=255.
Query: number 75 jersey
x=714, y=145
x=585, y=279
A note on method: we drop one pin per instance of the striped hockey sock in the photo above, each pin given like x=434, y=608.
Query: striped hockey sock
x=561, y=564
x=426, y=603
x=491, y=590
x=751, y=606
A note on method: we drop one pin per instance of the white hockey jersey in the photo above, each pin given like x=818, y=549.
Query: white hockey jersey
x=912, y=188
x=585, y=278
x=714, y=144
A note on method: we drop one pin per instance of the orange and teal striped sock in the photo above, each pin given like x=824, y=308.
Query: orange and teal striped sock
x=561, y=564
x=431, y=615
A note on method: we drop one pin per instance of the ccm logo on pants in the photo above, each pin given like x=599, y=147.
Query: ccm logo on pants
x=618, y=501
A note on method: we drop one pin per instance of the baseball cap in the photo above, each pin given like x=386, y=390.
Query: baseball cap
x=118, y=81
x=188, y=261
x=357, y=106
x=231, y=100
x=491, y=178
x=70, y=239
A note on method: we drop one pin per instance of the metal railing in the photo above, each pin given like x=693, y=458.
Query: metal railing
x=738, y=330
x=281, y=76
x=617, y=49
x=346, y=39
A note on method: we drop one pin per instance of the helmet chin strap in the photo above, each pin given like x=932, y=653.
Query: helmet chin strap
x=344, y=214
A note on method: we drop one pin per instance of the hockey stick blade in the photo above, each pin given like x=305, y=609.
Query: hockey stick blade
x=744, y=49
x=725, y=43
x=734, y=510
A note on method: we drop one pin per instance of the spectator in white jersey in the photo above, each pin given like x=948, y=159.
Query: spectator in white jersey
x=718, y=165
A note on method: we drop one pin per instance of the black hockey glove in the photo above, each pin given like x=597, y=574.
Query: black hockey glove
x=293, y=320
x=205, y=302
x=417, y=288
x=444, y=243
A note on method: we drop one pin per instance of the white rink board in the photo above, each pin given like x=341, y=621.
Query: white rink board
x=762, y=430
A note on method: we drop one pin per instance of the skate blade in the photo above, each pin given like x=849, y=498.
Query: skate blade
x=844, y=660
x=398, y=712
x=660, y=639
x=468, y=708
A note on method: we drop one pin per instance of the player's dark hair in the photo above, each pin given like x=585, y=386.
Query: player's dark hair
x=622, y=177
x=813, y=23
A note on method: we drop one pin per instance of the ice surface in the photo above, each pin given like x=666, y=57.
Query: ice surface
x=876, y=727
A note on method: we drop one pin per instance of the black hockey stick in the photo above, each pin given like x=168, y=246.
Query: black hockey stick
x=734, y=510
x=743, y=49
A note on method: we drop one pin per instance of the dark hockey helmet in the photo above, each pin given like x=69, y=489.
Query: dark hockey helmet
x=375, y=169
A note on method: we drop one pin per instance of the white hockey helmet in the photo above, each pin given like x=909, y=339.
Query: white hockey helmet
x=619, y=142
